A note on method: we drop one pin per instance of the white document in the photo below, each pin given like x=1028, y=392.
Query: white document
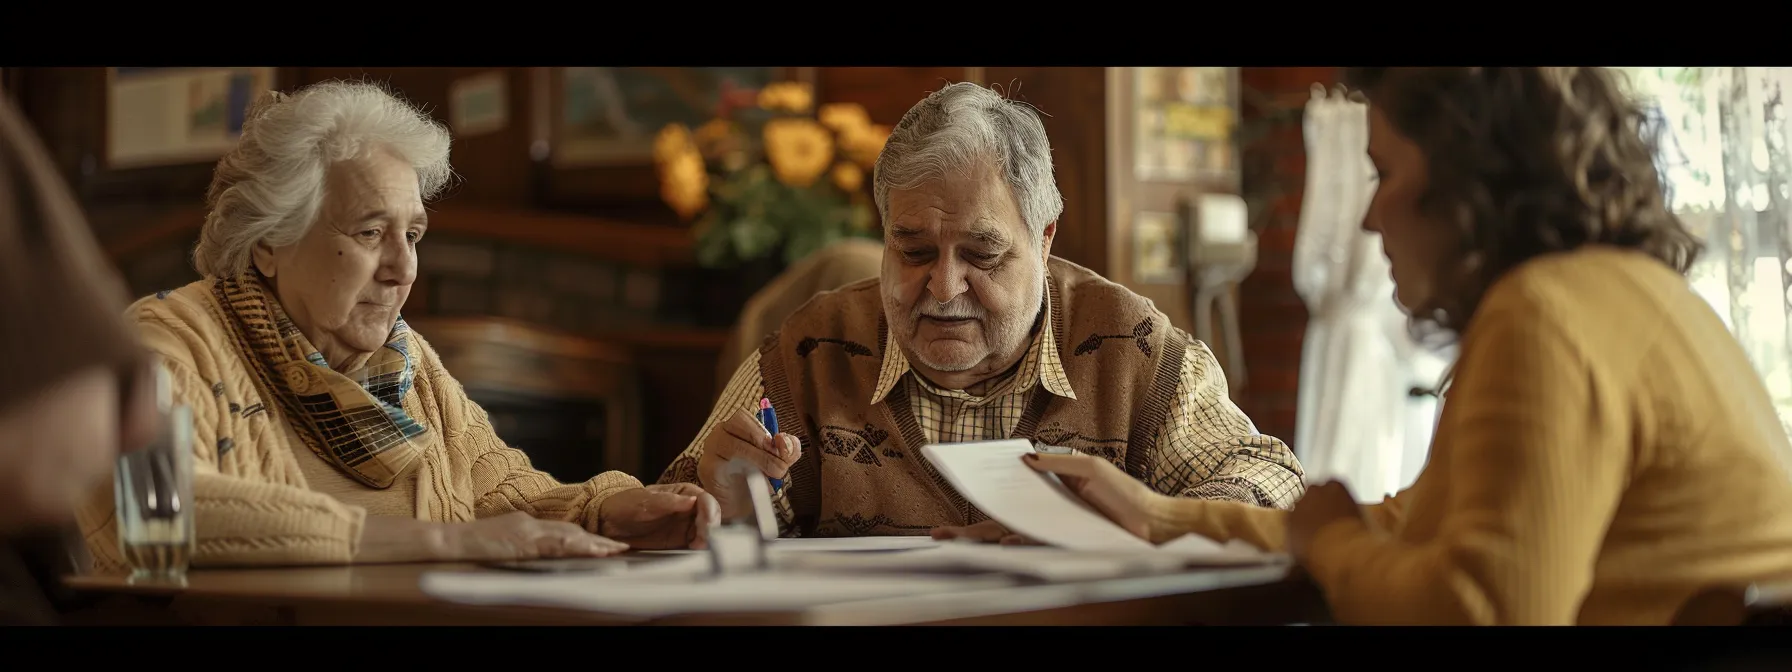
x=634, y=594
x=1198, y=550
x=853, y=544
x=1037, y=505
x=1039, y=562
x=1030, y=503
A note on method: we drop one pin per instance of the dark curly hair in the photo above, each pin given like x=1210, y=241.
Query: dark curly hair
x=1525, y=162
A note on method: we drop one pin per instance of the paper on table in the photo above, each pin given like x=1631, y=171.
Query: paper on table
x=1036, y=505
x=1196, y=549
x=663, y=595
x=1039, y=562
x=851, y=544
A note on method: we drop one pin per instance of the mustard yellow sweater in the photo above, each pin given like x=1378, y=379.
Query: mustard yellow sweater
x=253, y=504
x=1605, y=451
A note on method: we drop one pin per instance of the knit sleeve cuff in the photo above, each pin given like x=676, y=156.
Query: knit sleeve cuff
x=1328, y=551
x=603, y=486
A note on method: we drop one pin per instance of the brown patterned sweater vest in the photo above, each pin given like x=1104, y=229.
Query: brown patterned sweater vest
x=862, y=472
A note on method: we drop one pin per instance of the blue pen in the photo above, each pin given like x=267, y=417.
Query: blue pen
x=768, y=419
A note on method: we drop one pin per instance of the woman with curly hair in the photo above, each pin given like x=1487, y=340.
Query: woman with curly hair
x=1605, y=450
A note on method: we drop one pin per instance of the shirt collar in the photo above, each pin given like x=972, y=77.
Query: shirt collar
x=1046, y=368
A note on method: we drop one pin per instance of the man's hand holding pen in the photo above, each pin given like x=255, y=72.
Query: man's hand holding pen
x=742, y=435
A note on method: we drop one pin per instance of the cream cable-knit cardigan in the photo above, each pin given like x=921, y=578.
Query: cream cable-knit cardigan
x=253, y=506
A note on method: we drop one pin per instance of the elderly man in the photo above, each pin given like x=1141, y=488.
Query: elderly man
x=974, y=332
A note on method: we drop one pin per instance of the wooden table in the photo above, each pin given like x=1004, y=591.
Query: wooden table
x=389, y=595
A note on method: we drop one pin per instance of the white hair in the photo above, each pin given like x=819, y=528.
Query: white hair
x=270, y=186
x=963, y=127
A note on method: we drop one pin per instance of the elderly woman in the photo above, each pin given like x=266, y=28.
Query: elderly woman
x=1605, y=451
x=326, y=431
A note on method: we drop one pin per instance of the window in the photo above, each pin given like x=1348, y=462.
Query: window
x=1728, y=167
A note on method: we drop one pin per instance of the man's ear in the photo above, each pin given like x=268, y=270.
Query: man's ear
x=1045, y=241
x=263, y=258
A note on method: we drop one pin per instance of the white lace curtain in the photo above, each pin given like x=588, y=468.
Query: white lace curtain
x=1351, y=420
x=1725, y=153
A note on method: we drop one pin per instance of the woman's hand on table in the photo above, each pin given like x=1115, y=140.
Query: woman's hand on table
x=512, y=536
x=654, y=517
x=668, y=516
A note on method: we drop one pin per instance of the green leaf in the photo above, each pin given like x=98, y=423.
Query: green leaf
x=714, y=248
x=860, y=220
x=728, y=189
x=753, y=238
x=801, y=245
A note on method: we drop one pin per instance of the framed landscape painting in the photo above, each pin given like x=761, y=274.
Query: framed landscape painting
x=595, y=128
x=609, y=116
x=171, y=116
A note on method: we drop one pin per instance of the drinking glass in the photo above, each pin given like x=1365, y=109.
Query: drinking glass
x=153, y=493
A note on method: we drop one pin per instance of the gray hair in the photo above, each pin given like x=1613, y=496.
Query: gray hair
x=964, y=126
x=269, y=188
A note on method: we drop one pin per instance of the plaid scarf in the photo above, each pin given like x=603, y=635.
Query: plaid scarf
x=354, y=420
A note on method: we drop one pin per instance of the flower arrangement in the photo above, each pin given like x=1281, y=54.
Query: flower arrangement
x=765, y=176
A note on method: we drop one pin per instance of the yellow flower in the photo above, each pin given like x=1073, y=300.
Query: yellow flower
x=798, y=149
x=684, y=185
x=844, y=118
x=864, y=144
x=716, y=129
x=734, y=160
x=848, y=177
x=794, y=97
x=672, y=142
x=715, y=138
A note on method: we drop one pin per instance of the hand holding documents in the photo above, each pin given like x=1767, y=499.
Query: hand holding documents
x=990, y=474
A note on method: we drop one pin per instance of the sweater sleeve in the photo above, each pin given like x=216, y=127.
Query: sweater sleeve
x=238, y=521
x=1259, y=526
x=503, y=479
x=61, y=298
x=1209, y=449
x=742, y=393
x=1538, y=449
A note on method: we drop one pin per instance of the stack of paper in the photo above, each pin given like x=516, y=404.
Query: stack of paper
x=633, y=593
x=1083, y=545
x=1036, y=562
x=1196, y=550
x=853, y=544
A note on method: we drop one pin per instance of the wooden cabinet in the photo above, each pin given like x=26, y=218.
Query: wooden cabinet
x=1170, y=134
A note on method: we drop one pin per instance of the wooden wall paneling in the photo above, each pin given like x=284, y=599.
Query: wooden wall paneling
x=886, y=93
x=1128, y=197
x=1073, y=103
x=9, y=83
x=67, y=106
x=1131, y=196
x=493, y=168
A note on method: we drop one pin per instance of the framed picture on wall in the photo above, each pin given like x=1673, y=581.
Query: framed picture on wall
x=595, y=125
x=1157, y=248
x=172, y=116
x=133, y=136
x=1185, y=118
x=609, y=116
